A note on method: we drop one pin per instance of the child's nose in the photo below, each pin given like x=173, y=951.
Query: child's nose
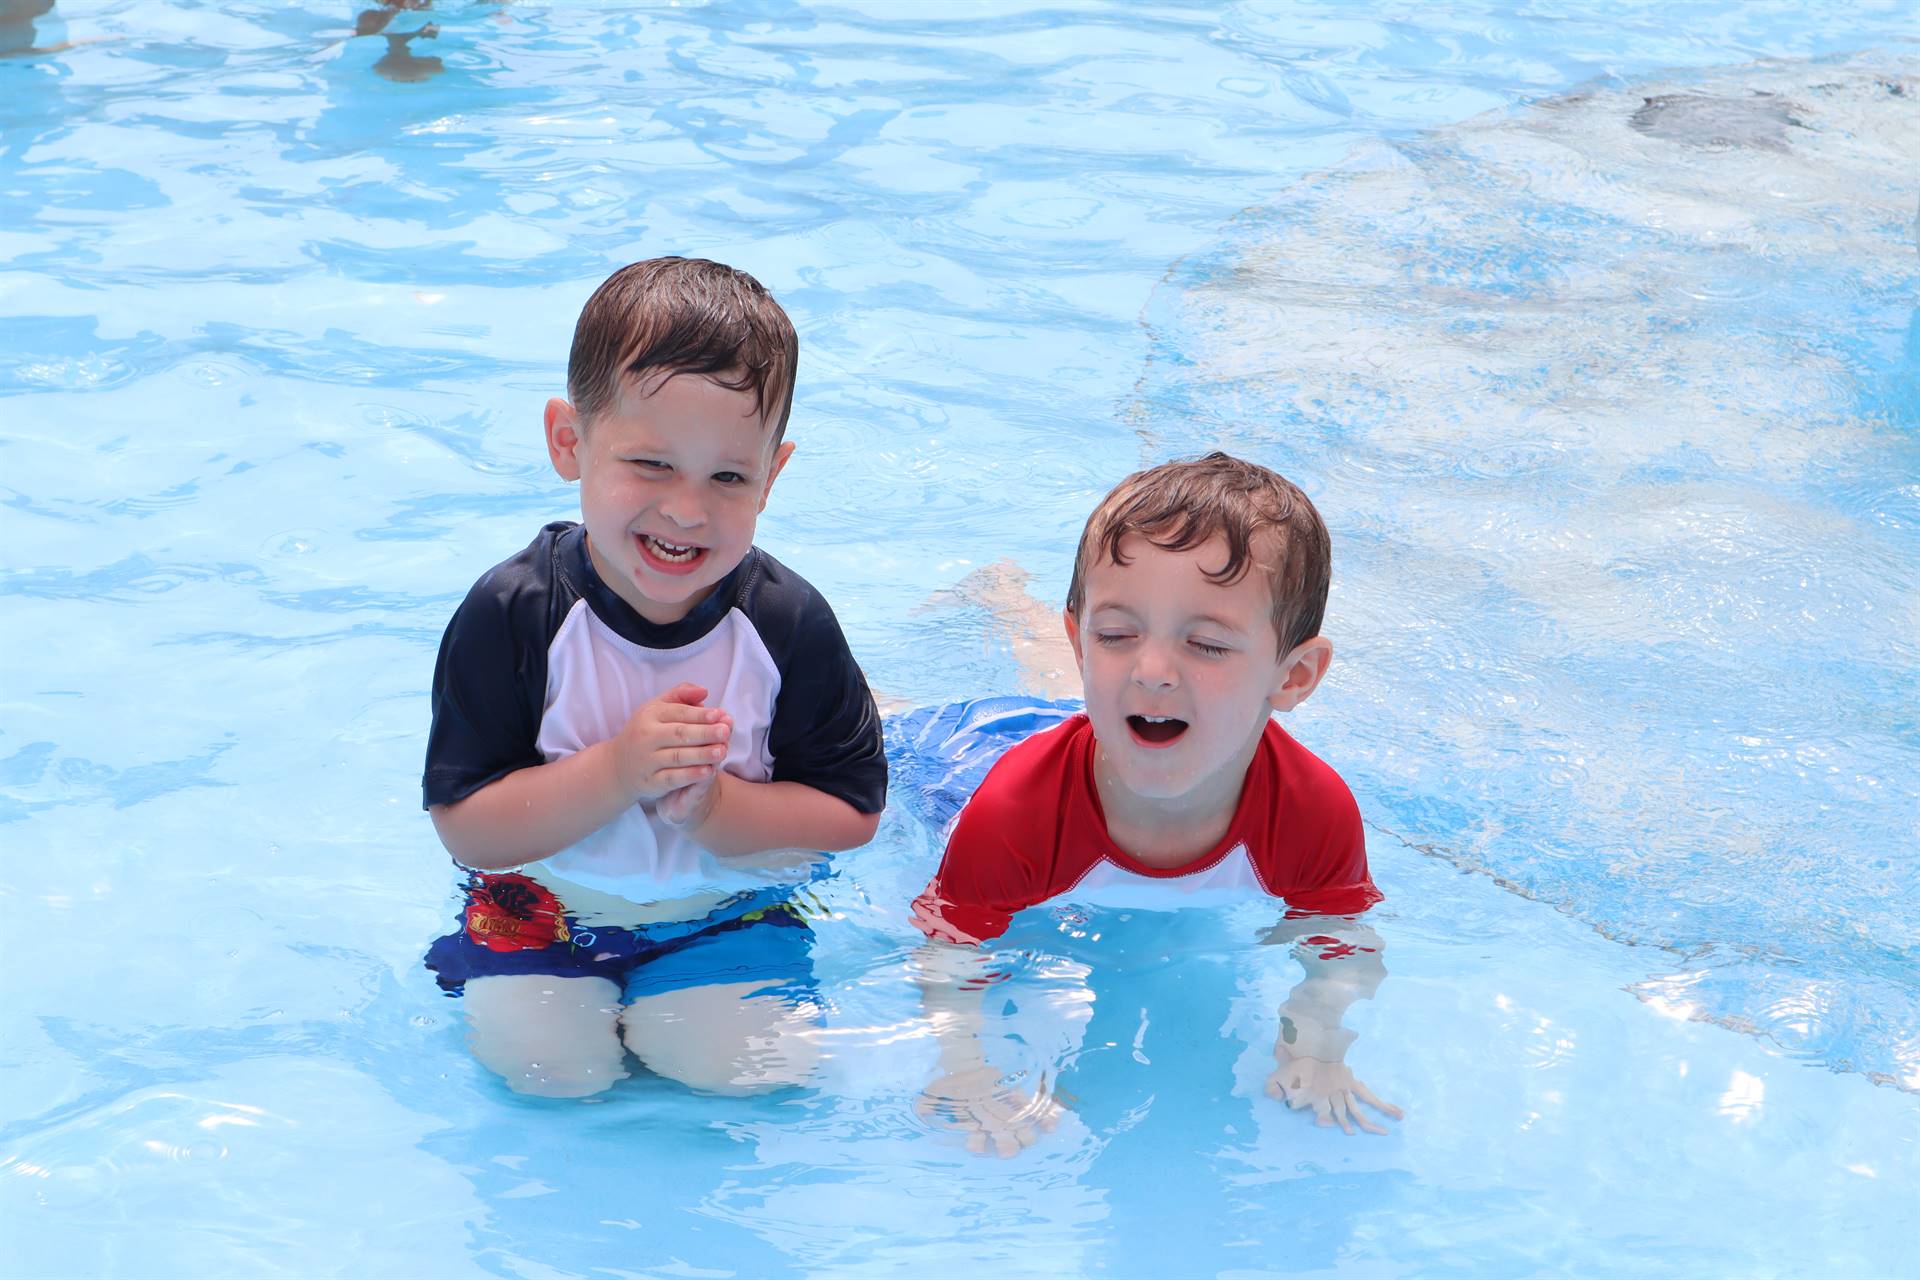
x=684, y=508
x=1154, y=668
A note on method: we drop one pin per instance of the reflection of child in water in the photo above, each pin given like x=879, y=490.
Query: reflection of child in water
x=16, y=25
x=399, y=63
x=17, y=34
x=1194, y=614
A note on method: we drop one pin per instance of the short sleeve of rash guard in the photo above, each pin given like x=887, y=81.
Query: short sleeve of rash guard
x=826, y=730
x=488, y=687
x=989, y=870
x=1332, y=877
x=965, y=902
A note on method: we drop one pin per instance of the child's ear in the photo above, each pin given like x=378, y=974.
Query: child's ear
x=1300, y=673
x=780, y=456
x=1073, y=640
x=563, y=438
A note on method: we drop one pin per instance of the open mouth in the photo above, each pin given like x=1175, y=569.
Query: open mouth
x=669, y=557
x=1156, y=731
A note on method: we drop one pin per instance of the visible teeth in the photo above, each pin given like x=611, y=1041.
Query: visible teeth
x=1156, y=719
x=670, y=550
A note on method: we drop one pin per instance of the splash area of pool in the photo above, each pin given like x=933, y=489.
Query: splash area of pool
x=1591, y=329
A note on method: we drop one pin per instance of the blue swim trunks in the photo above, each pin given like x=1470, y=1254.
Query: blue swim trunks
x=938, y=755
x=513, y=924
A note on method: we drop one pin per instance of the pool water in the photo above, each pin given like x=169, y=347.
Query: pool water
x=1611, y=405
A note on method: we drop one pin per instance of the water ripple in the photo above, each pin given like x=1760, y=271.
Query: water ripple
x=1607, y=473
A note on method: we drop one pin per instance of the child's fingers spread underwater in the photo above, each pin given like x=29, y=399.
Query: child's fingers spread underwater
x=1384, y=1108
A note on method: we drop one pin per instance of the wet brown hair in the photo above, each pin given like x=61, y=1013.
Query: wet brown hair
x=684, y=315
x=1264, y=518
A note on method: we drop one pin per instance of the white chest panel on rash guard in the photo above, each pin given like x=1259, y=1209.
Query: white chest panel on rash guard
x=1108, y=884
x=596, y=679
x=542, y=660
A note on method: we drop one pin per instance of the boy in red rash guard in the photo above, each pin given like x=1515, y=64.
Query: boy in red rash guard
x=1194, y=613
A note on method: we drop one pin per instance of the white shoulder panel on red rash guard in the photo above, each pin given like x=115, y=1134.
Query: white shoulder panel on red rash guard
x=1108, y=884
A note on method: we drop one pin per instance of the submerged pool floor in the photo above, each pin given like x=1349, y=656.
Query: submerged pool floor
x=1605, y=375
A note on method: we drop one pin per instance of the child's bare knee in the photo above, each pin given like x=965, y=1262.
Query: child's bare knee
x=545, y=1036
x=720, y=1039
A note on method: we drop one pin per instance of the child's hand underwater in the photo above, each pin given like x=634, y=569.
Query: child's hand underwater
x=1330, y=1088
x=993, y=1116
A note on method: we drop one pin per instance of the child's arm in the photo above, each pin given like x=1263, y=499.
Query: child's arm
x=971, y=897
x=730, y=815
x=1343, y=962
x=968, y=1094
x=986, y=875
x=668, y=744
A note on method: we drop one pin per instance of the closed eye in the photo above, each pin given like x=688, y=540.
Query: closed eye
x=1210, y=650
x=1111, y=637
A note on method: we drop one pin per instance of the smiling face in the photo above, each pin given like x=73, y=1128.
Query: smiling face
x=673, y=478
x=1181, y=673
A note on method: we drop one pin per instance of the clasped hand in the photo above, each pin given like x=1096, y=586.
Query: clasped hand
x=670, y=752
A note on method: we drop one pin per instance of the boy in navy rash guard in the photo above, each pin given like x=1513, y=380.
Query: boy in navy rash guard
x=638, y=718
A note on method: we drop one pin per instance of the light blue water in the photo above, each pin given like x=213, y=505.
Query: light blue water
x=1632, y=710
